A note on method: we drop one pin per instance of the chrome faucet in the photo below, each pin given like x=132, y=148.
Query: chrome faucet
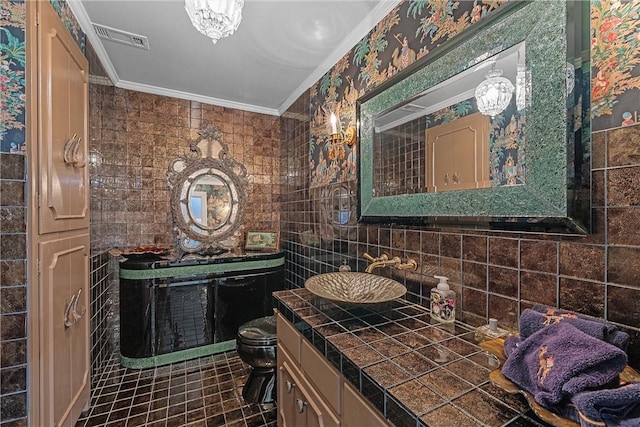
x=384, y=261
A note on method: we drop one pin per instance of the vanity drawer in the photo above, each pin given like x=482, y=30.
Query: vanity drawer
x=288, y=336
x=325, y=378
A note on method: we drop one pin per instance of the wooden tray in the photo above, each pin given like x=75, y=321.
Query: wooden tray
x=496, y=347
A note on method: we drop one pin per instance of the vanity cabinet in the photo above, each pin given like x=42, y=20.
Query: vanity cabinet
x=173, y=310
x=300, y=404
x=311, y=392
x=356, y=412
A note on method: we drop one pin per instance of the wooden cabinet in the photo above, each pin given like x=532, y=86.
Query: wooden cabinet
x=64, y=332
x=458, y=154
x=298, y=402
x=311, y=392
x=63, y=79
x=58, y=230
x=356, y=412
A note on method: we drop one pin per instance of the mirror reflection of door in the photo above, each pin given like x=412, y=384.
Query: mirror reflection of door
x=438, y=141
x=458, y=154
x=209, y=201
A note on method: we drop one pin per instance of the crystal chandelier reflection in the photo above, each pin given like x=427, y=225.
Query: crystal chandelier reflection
x=494, y=94
x=215, y=18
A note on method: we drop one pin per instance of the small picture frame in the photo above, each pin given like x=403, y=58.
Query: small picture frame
x=262, y=241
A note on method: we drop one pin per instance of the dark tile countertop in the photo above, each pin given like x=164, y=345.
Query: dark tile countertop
x=415, y=371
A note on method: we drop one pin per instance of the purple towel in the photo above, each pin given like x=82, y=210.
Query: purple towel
x=510, y=344
x=532, y=320
x=559, y=361
x=618, y=407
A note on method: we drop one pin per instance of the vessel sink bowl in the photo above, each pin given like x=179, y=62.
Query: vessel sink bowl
x=354, y=287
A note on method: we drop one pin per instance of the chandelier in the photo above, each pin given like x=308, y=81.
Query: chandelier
x=494, y=94
x=215, y=18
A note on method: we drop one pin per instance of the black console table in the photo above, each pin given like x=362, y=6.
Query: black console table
x=173, y=310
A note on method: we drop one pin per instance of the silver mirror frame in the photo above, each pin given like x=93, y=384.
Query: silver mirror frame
x=208, y=156
x=556, y=198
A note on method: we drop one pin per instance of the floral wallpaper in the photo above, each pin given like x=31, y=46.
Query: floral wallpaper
x=416, y=27
x=12, y=76
x=409, y=32
x=12, y=68
x=69, y=20
x=615, y=56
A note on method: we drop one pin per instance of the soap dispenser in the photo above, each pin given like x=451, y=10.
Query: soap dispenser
x=443, y=301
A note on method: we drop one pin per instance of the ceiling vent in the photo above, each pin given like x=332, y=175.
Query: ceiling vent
x=119, y=36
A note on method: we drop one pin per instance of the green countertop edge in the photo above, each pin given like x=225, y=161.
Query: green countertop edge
x=177, y=356
x=199, y=269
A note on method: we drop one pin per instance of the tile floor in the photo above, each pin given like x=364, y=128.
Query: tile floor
x=200, y=392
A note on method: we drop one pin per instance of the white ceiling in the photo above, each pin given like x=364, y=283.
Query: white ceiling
x=280, y=49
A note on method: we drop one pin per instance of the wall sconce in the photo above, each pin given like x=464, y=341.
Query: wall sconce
x=494, y=94
x=349, y=136
x=335, y=136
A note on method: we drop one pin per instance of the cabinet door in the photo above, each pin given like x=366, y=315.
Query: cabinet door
x=356, y=412
x=457, y=154
x=298, y=403
x=288, y=416
x=64, y=329
x=62, y=127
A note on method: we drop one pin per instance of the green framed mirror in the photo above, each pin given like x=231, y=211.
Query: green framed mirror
x=526, y=168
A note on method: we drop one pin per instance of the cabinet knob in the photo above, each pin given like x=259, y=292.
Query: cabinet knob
x=300, y=405
x=289, y=385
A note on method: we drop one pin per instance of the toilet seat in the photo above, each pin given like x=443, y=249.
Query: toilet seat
x=256, y=345
x=260, y=332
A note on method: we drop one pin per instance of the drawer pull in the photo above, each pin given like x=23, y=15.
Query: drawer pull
x=300, y=405
x=289, y=385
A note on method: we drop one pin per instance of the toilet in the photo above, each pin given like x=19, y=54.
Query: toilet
x=256, y=346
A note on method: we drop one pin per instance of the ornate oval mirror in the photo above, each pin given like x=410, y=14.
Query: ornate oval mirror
x=209, y=201
x=207, y=195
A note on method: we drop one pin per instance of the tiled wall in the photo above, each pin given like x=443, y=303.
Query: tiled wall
x=494, y=274
x=134, y=138
x=103, y=282
x=13, y=291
